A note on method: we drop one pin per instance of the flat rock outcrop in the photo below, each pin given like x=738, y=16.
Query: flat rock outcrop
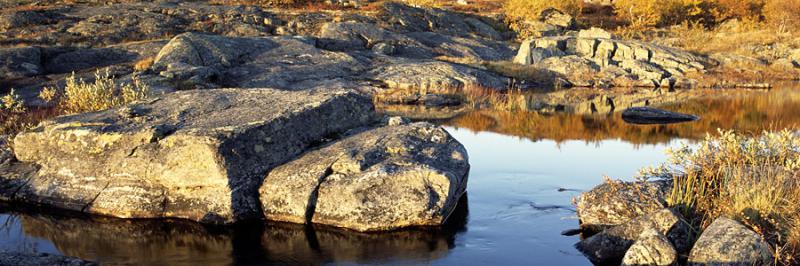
x=198, y=155
x=390, y=177
x=728, y=242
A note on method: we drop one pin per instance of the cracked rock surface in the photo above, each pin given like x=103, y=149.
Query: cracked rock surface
x=198, y=155
x=203, y=155
x=390, y=177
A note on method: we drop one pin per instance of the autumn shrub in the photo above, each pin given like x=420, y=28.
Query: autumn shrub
x=80, y=96
x=651, y=13
x=738, y=9
x=784, y=14
x=753, y=179
x=519, y=11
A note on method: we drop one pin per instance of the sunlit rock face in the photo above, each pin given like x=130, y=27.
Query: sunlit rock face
x=386, y=178
x=198, y=155
x=203, y=155
x=581, y=59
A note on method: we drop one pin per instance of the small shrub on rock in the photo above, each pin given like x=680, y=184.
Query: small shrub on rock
x=79, y=96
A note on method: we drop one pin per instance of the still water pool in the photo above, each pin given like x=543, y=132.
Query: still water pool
x=526, y=169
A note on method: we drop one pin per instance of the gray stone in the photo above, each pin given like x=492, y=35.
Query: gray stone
x=651, y=249
x=37, y=259
x=528, y=55
x=429, y=75
x=21, y=19
x=594, y=33
x=647, y=63
x=649, y=115
x=198, y=155
x=643, y=69
x=284, y=62
x=208, y=50
x=728, y=242
x=555, y=17
x=384, y=49
x=348, y=36
x=611, y=245
x=611, y=204
x=20, y=62
x=381, y=179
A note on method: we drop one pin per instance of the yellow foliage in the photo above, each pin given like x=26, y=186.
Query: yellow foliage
x=12, y=103
x=104, y=93
x=784, y=14
x=518, y=11
x=752, y=179
x=740, y=9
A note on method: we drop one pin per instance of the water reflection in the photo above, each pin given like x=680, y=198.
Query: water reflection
x=747, y=111
x=170, y=242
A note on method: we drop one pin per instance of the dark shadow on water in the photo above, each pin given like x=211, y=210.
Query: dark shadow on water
x=173, y=242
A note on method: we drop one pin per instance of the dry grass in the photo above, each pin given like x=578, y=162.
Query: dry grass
x=76, y=97
x=79, y=96
x=754, y=179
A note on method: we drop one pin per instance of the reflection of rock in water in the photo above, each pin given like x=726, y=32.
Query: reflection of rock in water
x=323, y=244
x=116, y=241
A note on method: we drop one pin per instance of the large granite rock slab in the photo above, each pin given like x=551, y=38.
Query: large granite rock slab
x=386, y=178
x=284, y=62
x=199, y=155
x=728, y=242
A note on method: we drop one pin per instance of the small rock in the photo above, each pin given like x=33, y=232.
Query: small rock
x=651, y=249
x=649, y=115
x=384, y=48
x=558, y=18
x=395, y=120
x=611, y=245
x=728, y=242
x=594, y=33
